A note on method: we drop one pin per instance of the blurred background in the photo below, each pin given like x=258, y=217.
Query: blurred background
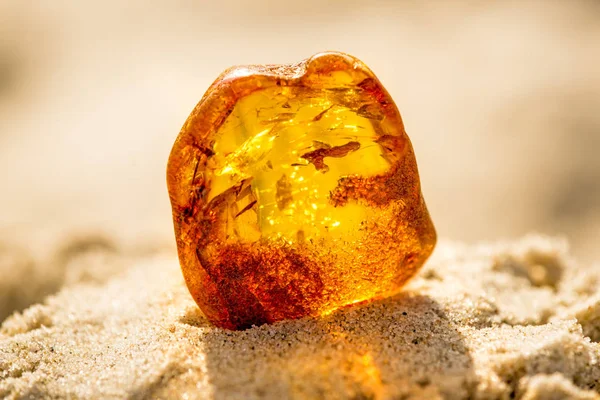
x=501, y=101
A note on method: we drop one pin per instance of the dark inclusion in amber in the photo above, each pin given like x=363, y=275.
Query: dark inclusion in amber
x=295, y=191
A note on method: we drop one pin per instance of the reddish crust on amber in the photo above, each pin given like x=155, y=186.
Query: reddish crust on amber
x=239, y=283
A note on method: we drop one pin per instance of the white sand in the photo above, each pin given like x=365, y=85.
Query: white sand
x=491, y=322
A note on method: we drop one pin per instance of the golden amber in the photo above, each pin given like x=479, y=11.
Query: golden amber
x=295, y=191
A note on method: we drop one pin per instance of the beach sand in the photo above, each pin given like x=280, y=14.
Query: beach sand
x=492, y=321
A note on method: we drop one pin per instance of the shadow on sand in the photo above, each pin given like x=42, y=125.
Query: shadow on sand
x=397, y=347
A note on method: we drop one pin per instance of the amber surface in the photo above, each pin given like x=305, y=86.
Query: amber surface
x=295, y=191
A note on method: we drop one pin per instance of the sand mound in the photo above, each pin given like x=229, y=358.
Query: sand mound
x=491, y=321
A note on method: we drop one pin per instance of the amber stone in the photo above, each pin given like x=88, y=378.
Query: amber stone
x=295, y=191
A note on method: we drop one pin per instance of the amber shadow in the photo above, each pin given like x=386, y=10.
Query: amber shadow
x=392, y=347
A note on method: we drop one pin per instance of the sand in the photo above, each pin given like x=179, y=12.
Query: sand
x=492, y=321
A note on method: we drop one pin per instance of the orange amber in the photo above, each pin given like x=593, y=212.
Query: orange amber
x=295, y=191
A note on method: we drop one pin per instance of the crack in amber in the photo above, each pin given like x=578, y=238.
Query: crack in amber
x=295, y=191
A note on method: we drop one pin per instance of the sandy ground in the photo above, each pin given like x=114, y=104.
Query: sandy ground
x=513, y=320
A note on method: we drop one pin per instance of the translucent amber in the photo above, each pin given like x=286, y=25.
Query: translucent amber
x=295, y=191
